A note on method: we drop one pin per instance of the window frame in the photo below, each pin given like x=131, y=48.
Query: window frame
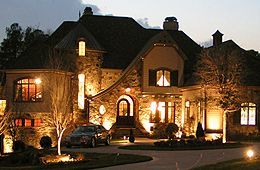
x=247, y=107
x=18, y=95
x=152, y=77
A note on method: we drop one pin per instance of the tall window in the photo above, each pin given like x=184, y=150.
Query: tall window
x=162, y=112
x=28, y=89
x=248, y=114
x=82, y=48
x=163, y=78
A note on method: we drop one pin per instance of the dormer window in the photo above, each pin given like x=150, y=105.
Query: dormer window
x=163, y=77
x=82, y=48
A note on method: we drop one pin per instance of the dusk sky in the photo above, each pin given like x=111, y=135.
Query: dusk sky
x=238, y=20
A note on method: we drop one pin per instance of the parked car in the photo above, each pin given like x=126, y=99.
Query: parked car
x=88, y=135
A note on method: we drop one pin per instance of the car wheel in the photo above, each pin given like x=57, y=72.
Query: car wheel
x=107, y=140
x=93, y=142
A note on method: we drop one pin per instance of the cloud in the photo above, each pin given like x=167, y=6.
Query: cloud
x=144, y=23
x=206, y=43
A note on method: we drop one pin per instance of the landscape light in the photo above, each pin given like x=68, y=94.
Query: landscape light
x=250, y=154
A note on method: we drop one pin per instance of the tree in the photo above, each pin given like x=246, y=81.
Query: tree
x=221, y=70
x=17, y=41
x=200, y=132
x=58, y=86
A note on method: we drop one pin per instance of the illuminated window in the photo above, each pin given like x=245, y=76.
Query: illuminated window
x=28, y=89
x=162, y=112
x=27, y=122
x=19, y=122
x=248, y=114
x=82, y=48
x=81, y=92
x=37, y=122
x=163, y=78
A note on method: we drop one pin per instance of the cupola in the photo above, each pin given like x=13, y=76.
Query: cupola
x=217, y=38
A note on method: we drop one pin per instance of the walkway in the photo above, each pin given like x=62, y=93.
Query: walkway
x=174, y=160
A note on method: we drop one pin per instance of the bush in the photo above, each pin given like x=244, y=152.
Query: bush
x=200, y=132
x=131, y=136
x=46, y=142
x=171, y=129
x=18, y=146
x=159, y=131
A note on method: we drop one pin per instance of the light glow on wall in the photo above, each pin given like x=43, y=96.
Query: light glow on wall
x=81, y=93
x=214, y=121
x=107, y=124
x=38, y=81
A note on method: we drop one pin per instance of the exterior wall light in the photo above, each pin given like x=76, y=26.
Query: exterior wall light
x=128, y=90
x=102, y=109
x=38, y=81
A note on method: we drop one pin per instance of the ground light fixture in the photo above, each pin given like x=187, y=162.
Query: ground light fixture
x=250, y=154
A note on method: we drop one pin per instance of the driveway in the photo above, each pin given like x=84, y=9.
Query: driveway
x=179, y=160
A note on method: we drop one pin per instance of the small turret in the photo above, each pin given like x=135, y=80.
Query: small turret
x=170, y=23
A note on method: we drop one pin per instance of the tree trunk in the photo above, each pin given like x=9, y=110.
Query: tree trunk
x=59, y=142
x=224, y=138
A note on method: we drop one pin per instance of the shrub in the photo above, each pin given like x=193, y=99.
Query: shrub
x=46, y=142
x=18, y=146
x=200, y=132
x=171, y=129
x=131, y=136
x=159, y=131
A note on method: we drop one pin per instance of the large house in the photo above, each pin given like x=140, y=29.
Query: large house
x=125, y=77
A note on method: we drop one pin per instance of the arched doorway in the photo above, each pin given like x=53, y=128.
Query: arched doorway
x=125, y=111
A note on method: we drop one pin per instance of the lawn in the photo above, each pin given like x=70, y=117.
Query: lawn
x=92, y=160
x=167, y=148
x=238, y=164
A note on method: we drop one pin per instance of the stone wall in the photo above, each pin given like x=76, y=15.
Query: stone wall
x=109, y=76
x=90, y=66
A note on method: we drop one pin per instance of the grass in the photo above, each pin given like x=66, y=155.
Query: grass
x=237, y=164
x=164, y=148
x=93, y=160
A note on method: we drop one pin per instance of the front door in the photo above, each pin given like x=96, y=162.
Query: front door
x=125, y=112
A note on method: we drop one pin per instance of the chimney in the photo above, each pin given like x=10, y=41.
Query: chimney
x=170, y=23
x=88, y=11
x=217, y=38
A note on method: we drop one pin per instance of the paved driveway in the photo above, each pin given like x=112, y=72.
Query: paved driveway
x=179, y=160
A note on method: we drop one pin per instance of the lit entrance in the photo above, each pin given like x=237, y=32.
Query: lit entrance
x=125, y=111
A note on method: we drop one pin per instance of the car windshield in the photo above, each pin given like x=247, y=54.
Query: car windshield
x=83, y=129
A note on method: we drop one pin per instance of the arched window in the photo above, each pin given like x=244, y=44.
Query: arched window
x=82, y=48
x=125, y=106
x=248, y=114
x=28, y=89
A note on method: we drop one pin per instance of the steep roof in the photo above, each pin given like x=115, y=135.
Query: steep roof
x=70, y=40
x=121, y=37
